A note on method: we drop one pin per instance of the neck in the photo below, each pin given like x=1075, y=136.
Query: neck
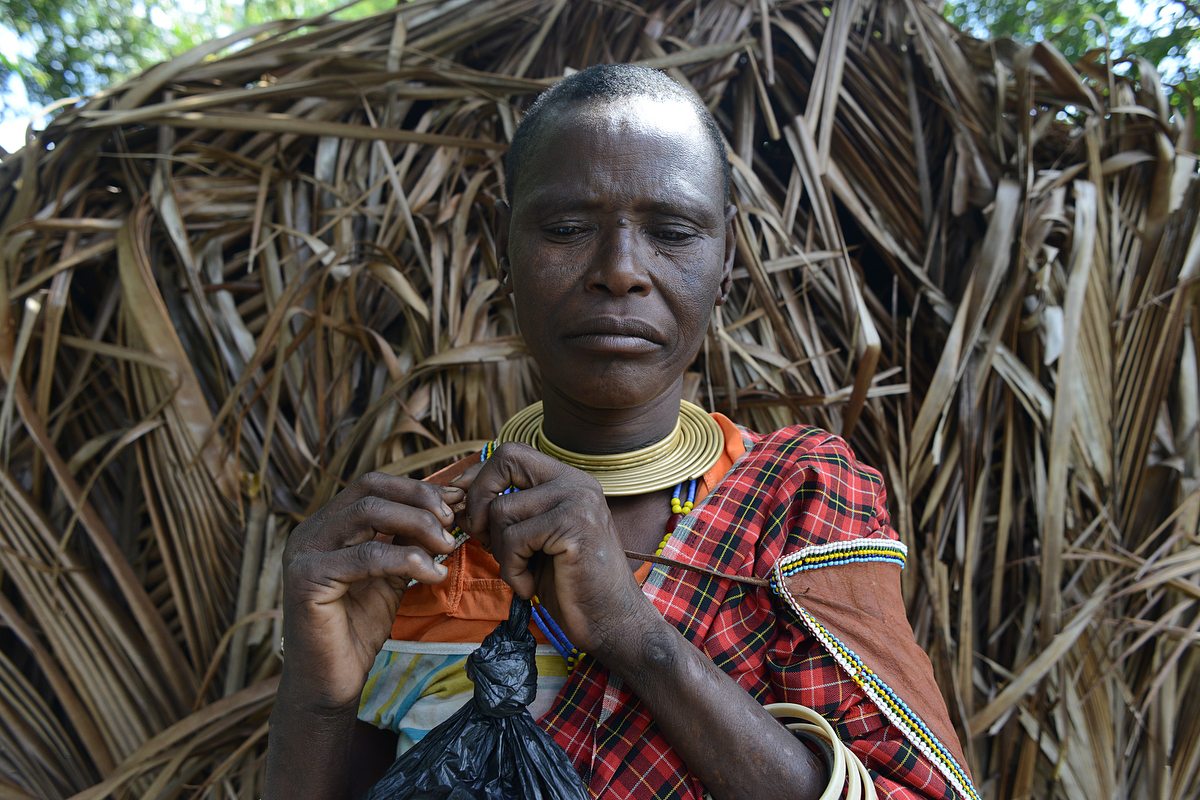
x=574, y=426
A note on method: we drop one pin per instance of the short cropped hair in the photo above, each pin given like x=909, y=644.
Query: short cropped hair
x=607, y=83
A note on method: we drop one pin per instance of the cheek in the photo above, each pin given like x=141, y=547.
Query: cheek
x=692, y=315
x=696, y=299
x=700, y=317
x=540, y=274
x=529, y=319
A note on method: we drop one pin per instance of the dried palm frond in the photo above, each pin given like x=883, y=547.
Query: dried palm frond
x=243, y=278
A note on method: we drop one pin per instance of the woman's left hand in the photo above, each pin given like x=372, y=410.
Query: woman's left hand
x=555, y=538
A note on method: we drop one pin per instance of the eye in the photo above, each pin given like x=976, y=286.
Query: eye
x=673, y=235
x=564, y=230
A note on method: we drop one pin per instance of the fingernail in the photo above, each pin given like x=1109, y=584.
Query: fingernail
x=446, y=512
x=447, y=538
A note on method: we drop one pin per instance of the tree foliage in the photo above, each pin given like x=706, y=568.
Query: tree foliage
x=1166, y=33
x=80, y=46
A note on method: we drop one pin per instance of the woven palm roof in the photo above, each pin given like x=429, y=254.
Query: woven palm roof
x=237, y=281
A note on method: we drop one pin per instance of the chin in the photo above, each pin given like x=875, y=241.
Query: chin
x=614, y=392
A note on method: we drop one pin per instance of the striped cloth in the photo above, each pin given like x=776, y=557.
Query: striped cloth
x=415, y=686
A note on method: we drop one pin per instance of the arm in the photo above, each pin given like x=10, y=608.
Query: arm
x=734, y=747
x=556, y=538
x=310, y=746
x=341, y=590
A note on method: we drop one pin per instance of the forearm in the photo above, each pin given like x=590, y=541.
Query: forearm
x=734, y=747
x=309, y=749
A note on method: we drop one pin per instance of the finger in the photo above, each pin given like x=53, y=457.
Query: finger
x=419, y=494
x=463, y=481
x=464, y=524
x=508, y=509
x=515, y=552
x=511, y=465
x=361, y=520
x=524, y=526
x=336, y=571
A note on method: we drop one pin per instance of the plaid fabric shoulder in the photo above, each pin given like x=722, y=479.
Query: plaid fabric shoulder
x=797, y=488
x=838, y=515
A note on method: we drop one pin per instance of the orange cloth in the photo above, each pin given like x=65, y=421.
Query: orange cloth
x=467, y=605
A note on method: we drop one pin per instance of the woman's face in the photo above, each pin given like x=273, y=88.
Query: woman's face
x=619, y=245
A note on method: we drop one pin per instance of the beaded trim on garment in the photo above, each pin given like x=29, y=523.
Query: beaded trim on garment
x=846, y=552
x=888, y=702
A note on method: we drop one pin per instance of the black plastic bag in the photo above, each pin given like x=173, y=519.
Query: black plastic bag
x=490, y=749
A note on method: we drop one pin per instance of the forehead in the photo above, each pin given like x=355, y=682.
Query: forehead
x=637, y=145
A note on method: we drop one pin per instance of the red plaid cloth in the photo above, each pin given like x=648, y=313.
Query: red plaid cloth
x=796, y=487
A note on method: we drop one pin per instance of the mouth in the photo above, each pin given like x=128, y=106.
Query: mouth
x=617, y=336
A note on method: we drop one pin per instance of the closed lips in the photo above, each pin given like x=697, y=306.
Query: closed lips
x=618, y=327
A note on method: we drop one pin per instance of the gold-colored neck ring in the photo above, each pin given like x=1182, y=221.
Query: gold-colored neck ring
x=690, y=450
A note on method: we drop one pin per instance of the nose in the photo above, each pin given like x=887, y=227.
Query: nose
x=618, y=267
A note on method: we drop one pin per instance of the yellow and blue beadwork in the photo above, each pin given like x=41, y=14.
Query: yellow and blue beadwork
x=886, y=700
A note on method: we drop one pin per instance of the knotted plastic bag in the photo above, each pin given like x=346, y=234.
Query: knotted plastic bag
x=490, y=749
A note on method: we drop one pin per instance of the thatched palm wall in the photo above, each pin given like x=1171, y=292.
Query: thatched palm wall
x=233, y=284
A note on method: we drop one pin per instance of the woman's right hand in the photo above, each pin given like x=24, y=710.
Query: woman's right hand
x=341, y=586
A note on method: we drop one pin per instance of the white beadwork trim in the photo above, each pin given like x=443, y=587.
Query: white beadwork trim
x=891, y=547
x=894, y=709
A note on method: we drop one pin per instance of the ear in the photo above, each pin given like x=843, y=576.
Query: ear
x=730, y=256
x=502, y=218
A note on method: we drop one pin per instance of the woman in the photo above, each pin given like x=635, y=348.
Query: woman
x=618, y=244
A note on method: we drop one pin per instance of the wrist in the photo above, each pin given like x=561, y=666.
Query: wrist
x=297, y=696
x=309, y=749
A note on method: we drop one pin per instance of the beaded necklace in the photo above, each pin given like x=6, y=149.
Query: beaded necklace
x=550, y=628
